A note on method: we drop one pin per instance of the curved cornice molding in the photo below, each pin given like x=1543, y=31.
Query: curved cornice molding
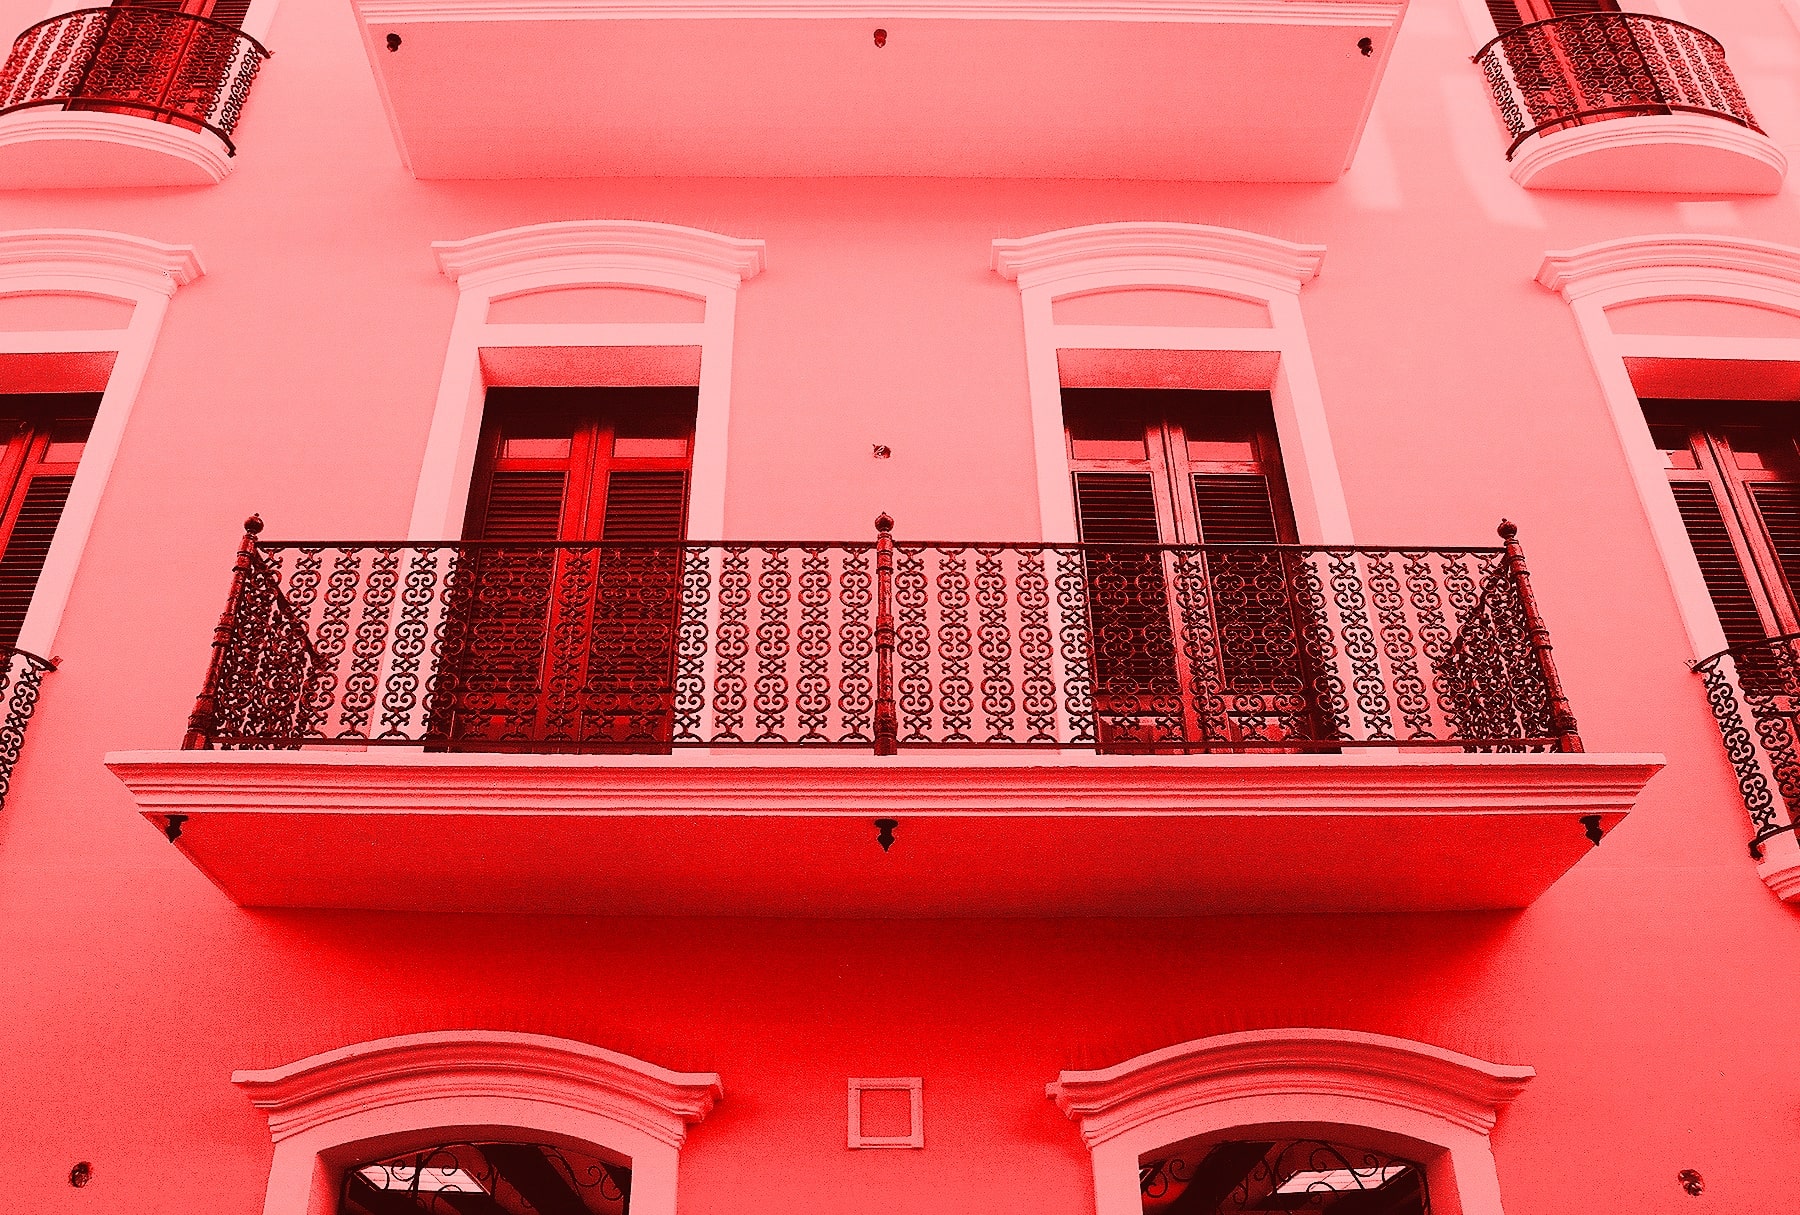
x=1156, y=252
x=106, y=263
x=42, y=148
x=1663, y=154
x=1283, y=1062
x=1670, y=264
x=600, y=251
x=480, y=1063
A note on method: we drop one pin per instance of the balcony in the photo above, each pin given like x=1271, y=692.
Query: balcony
x=889, y=728
x=1755, y=695
x=1249, y=90
x=1626, y=101
x=21, y=677
x=125, y=96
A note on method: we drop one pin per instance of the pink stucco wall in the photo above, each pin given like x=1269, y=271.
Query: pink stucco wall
x=1652, y=988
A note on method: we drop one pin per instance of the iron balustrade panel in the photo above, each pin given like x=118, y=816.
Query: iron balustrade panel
x=1553, y=74
x=21, y=677
x=168, y=67
x=1754, y=691
x=598, y=647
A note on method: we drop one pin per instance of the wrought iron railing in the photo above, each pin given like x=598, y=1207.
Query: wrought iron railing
x=169, y=67
x=882, y=644
x=1755, y=695
x=1552, y=74
x=21, y=675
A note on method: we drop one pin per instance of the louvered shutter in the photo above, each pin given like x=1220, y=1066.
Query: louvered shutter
x=1778, y=502
x=1719, y=562
x=1234, y=508
x=231, y=12
x=1128, y=608
x=26, y=547
x=523, y=507
x=645, y=507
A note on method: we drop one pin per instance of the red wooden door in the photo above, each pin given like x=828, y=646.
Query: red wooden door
x=42, y=436
x=569, y=606
x=1189, y=645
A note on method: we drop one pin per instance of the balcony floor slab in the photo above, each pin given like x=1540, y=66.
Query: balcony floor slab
x=981, y=833
x=65, y=149
x=1661, y=154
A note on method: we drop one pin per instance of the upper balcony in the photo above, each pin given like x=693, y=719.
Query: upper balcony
x=1626, y=101
x=886, y=728
x=1214, y=90
x=123, y=96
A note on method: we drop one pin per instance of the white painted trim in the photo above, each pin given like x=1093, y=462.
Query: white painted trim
x=1337, y=13
x=1185, y=257
x=126, y=150
x=913, y=1086
x=139, y=271
x=1689, y=154
x=323, y=1108
x=1363, y=1081
x=1678, y=266
x=580, y=253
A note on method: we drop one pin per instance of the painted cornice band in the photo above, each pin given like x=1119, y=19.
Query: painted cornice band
x=118, y=264
x=1053, y=257
x=586, y=248
x=1679, y=258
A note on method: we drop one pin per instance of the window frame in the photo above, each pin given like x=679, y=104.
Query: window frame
x=1423, y=1102
x=133, y=270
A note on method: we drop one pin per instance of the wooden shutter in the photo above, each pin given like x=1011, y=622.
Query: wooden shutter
x=645, y=507
x=1719, y=562
x=231, y=12
x=522, y=507
x=1116, y=508
x=1235, y=508
x=37, y=468
x=1778, y=502
x=1509, y=15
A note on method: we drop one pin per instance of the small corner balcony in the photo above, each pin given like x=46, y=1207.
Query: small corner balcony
x=1243, y=90
x=123, y=96
x=1754, y=690
x=889, y=728
x=21, y=679
x=1626, y=101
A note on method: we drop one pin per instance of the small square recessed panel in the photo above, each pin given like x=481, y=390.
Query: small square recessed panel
x=887, y=1113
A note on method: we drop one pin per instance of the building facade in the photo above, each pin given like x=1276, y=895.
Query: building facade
x=1015, y=606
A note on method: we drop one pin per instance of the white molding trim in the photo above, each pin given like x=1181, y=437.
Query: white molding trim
x=322, y=1108
x=47, y=148
x=1346, y=13
x=1679, y=266
x=913, y=1087
x=583, y=253
x=1373, y=1082
x=1659, y=153
x=142, y=272
x=1184, y=257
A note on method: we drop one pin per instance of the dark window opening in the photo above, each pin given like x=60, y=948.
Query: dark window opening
x=1306, y=1175
x=487, y=1179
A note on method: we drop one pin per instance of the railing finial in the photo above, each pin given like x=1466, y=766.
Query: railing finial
x=253, y=525
x=884, y=522
x=1508, y=530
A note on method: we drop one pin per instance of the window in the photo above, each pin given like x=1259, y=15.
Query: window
x=1734, y=468
x=1189, y=646
x=514, y=1178
x=578, y=508
x=1511, y=14
x=43, y=434
x=1212, y=1176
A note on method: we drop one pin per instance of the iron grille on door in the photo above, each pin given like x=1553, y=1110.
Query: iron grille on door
x=569, y=601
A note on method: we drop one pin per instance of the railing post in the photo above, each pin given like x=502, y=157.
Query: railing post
x=204, y=721
x=1562, y=715
x=887, y=714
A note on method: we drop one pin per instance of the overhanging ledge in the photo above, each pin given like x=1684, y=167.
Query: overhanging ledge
x=786, y=833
